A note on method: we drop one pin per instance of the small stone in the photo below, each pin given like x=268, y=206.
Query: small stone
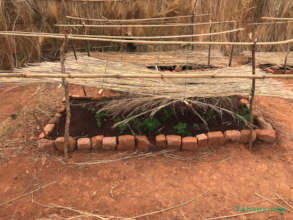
x=84, y=144
x=244, y=136
x=232, y=136
x=109, y=143
x=266, y=135
x=202, y=140
x=59, y=142
x=97, y=142
x=216, y=138
x=143, y=143
x=189, y=143
x=45, y=145
x=126, y=142
x=174, y=141
x=161, y=141
x=48, y=129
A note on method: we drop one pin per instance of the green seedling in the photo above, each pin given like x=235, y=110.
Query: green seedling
x=122, y=127
x=181, y=129
x=151, y=124
x=196, y=126
x=99, y=118
x=166, y=115
x=209, y=115
x=244, y=112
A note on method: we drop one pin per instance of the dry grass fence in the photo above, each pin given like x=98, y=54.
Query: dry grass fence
x=42, y=15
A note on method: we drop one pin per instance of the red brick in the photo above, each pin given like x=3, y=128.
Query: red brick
x=189, y=143
x=202, y=140
x=244, y=136
x=126, y=142
x=143, y=143
x=174, y=141
x=42, y=135
x=263, y=124
x=49, y=128
x=266, y=135
x=59, y=142
x=55, y=119
x=97, y=142
x=161, y=141
x=216, y=138
x=232, y=136
x=244, y=101
x=84, y=144
x=45, y=145
x=109, y=143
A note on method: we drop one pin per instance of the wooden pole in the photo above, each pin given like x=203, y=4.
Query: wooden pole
x=288, y=48
x=210, y=46
x=145, y=76
x=231, y=56
x=193, y=21
x=67, y=101
x=87, y=42
x=251, y=100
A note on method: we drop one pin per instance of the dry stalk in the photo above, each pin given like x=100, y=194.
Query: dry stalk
x=27, y=194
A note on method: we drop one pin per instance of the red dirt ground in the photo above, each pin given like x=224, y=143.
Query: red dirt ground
x=218, y=179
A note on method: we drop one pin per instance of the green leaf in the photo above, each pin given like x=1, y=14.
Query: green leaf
x=151, y=124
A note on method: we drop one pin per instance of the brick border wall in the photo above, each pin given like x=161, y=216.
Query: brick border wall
x=265, y=133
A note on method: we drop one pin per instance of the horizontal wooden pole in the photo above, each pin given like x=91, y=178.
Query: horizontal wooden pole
x=142, y=25
x=142, y=76
x=279, y=19
x=143, y=42
x=134, y=20
x=138, y=37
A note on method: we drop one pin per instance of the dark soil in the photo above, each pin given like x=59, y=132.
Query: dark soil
x=268, y=67
x=84, y=123
x=183, y=67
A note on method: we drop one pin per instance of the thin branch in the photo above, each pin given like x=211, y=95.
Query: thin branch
x=27, y=194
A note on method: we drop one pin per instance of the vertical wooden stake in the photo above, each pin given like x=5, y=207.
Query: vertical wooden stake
x=251, y=101
x=288, y=48
x=193, y=20
x=231, y=56
x=67, y=101
x=210, y=46
x=74, y=51
x=87, y=42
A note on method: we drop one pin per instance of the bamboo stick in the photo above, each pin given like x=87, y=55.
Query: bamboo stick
x=280, y=19
x=231, y=56
x=145, y=37
x=251, y=100
x=193, y=21
x=142, y=25
x=65, y=84
x=74, y=37
x=210, y=46
x=149, y=76
x=289, y=31
x=134, y=20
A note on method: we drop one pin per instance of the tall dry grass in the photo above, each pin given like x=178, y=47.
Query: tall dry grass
x=41, y=15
